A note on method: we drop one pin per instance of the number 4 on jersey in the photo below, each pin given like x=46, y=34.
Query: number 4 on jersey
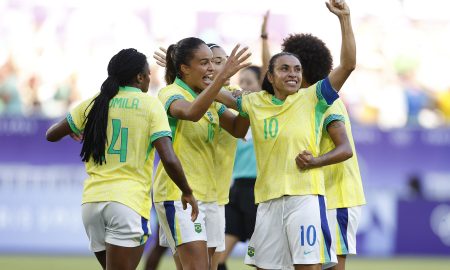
x=123, y=132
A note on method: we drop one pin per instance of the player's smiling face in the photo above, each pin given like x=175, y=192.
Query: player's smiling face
x=199, y=73
x=287, y=75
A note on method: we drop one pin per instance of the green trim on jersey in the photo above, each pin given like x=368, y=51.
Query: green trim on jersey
x=129, y=89
x=186, y=87
x=221, y=110
x=154, y=137
x=239, y=107
x=160, y=134
x=319, y=109
x=277, y=101
x=332, y=117
x=72, y=125
x=169, y=102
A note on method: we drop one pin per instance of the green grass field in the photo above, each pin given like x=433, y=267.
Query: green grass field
x=9, y=262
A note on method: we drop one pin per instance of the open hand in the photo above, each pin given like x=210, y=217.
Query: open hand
x=160, y=57
x=235, y=62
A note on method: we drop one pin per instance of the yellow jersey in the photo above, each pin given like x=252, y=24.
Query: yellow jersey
x=343, y=183
x=226, y=151
x=194, y=143
x=135, y=121
x=281, y=130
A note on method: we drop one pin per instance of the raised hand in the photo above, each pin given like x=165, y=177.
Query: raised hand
x=160, y=57
x=235, y=62
x=338, y=7
x=264, y=24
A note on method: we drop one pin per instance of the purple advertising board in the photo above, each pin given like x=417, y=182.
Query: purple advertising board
x=423, y=227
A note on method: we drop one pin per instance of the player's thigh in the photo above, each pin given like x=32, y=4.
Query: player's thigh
x=307, y=230
x=177, y=228
x=268, y=247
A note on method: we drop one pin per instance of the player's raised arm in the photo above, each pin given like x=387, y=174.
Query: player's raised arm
x=265, y=51
x=347, y=64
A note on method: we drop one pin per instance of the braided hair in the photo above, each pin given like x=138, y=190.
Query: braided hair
x=122, y=70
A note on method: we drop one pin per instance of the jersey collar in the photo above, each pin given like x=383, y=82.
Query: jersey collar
x=183, y=85
x=277, y=101
x=129, y=89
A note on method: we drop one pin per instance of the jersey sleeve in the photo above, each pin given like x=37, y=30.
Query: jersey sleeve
x=325, y=92
x=334, y=113
x=159, y=124
x=77, y=116
x=242, y=104
x=168, y=95
x=220, y=108
x=322, y=95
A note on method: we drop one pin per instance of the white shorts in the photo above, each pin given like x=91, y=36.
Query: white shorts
x=343, y=226
x=290, y=230
x=221, y=247
x=178, y=228
x=113, y=223
x=162, y=238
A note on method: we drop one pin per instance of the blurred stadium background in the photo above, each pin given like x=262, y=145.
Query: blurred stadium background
x=54, y=53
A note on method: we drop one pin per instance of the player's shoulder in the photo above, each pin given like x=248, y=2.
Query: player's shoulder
x=83, y=104
x=261, y=95
x=338, y=106
x=171, y=89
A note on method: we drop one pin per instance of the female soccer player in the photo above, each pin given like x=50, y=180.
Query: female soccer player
x=240, y=212
x=195, y=118
x=343, y=185
x=291, y=227
x=121, y=126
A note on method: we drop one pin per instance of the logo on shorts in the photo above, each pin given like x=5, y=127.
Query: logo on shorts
x=198, y=227
x=307, y=252
x=251, y=251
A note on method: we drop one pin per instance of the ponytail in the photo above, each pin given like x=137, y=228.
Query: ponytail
x=171, y=70
x=97, y=121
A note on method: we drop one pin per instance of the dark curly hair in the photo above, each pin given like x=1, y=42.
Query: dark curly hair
x=314, y=55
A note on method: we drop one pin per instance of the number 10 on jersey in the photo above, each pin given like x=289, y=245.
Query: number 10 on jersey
x=270, y=128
